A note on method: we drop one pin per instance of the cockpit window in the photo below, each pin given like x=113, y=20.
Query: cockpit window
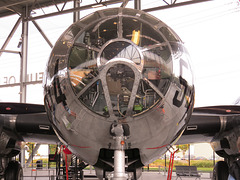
x=146, y=98
x=120, y=80
x=167, y=32
x=99, y=33
x=121, y=64
x=150, y=19
x=82, y=67
x=120, y=49
x=140, y=33
x=94, y=99
x=108, y=29
x=79, y=56
x=90, y=18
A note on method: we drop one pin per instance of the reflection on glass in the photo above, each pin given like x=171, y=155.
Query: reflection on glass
x=161, y=52
x=145, y=99
x=99, y=33
x=120, y=49
x=169, y=34
x=94, y=99
x=82, y=67
x=142, y=34
x=157, y=71
x=129, y=39
x=80, y=78
x=71, y=33
x=136, y=37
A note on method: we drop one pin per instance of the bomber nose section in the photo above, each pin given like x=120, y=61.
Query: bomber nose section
x=125, y=70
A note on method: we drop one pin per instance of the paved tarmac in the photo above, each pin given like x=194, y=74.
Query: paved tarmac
x=45, y=174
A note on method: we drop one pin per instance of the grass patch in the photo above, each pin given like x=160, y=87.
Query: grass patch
x=202, y=165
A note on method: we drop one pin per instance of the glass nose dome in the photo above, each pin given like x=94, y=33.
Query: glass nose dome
x=119, y=63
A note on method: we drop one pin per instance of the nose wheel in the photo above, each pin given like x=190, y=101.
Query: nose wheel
x=13, y=171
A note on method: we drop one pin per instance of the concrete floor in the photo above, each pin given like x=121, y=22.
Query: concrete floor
x=45, y=174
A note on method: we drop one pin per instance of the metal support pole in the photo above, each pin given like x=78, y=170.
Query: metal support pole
x=119, y=154
x=23, y=70
x=10, y=51
x=76, y=14
x=34, y=151
x=124, y=4
x=10, y=36
x=32, y=156
x=165, y=158
x=137, y=4
x=42, y=33
x=119, y=165
x=189, y=155
x=214, y=158
x=23, y=157
x=119, y=160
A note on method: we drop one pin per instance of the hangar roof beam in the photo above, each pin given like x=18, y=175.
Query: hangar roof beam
x=75, y=9
x=174, y=4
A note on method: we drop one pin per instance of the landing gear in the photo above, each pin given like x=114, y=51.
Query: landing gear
x=13, y=171
x=119, y=165
x=119, y=154
x=220, y=171
x=1, y=168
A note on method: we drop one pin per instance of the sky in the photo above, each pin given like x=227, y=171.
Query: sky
x=210, y=31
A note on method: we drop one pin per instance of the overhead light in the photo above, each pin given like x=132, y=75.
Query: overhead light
x=97, y=6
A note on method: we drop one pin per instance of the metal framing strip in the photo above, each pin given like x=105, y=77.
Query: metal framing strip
x=10, y=36
x=18, y=84
x=23, y=66
x=42, y=33
x=10, y=51
x=137, y=4
x=76, y=14
x=125, y=2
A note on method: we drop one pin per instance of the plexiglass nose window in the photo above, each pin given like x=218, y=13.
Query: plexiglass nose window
x=120, y=79
x=126, y=37
x=120, y=49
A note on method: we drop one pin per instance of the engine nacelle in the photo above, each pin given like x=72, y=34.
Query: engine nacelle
x=10, y=143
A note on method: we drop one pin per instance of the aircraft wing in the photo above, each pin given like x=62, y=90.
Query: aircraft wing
x=29, y=122
x=208, y=123
x=26, y=122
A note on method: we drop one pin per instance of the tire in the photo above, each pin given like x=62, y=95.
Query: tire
x=220, y=171
x=13, y=171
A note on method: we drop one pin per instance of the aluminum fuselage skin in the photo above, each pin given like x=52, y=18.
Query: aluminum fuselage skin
x=119, y=66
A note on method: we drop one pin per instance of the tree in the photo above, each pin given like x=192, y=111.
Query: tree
x=52, y=148
x=30, y=146
x=183, y=148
